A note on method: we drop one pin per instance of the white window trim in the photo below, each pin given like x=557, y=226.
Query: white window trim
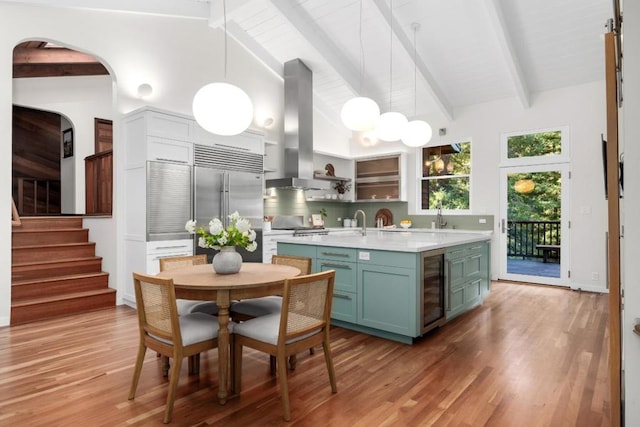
x=419, y=162
x=564, y=157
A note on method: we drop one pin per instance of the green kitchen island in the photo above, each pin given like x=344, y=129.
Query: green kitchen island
x=399, y=285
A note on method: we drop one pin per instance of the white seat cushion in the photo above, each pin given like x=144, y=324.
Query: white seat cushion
x=256, y=307
x=265, y=329
x=197, y=327
x=186, y=306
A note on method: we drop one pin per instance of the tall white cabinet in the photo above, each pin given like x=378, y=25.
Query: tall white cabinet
x=158, y=136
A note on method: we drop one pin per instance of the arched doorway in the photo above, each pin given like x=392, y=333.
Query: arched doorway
x=60, y=95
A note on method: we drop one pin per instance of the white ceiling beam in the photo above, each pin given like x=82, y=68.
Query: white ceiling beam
x=498, y=24
x=432, y=86
x=318, y=39
x=275, y=67
x=180, y=9
x=255, y=48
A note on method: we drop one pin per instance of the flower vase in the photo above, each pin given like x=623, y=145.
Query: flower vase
x=227, y=261
x=340, y=196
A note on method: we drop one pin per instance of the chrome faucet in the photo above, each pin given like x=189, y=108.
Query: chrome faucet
x=364, y=220
x=440, y=222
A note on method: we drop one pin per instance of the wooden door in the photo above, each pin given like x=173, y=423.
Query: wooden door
x=613, y=244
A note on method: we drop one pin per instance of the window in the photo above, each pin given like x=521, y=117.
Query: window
x=541, y=146
x=446, y=172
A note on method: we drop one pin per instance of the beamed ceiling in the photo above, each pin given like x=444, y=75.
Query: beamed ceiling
x=466, y=51
x=41, y=59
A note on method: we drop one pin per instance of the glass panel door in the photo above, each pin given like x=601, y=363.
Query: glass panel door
x=534, y=229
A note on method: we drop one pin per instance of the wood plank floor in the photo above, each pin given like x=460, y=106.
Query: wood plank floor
x=529, y=356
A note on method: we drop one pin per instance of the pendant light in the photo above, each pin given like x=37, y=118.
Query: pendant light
x=360, y=113
x=391, y=124
x=417, y=132
x=222, y=108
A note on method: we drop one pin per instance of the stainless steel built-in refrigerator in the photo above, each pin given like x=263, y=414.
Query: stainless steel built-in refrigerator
x=228, y=181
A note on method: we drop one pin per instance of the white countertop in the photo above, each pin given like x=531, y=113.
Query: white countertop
x=393, y=240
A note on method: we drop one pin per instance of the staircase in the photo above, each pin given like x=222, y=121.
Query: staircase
x=54, y=270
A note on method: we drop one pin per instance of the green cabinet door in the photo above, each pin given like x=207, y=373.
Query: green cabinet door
x=387, y=298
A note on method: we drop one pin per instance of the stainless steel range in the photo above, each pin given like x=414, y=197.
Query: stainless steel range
x=295, y=223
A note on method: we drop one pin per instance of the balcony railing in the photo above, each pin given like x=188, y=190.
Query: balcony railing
x=524, y=236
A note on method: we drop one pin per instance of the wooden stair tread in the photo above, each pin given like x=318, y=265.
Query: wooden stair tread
x=68, y=296
x=56, y=261
x=57, y=278
x=53, y=245
x=45, y=230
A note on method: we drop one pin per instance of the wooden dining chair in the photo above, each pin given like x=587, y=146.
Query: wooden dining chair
x=256, y=307
x=189, y=306
x=303, y=322
x=162, y=330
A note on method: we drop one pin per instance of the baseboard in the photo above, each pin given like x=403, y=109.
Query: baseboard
x=589, y=288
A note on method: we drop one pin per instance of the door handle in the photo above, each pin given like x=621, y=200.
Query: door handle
x=504, y=226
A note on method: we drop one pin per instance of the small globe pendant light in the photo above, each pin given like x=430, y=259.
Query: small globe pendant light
x=222, y=108
x=360, y=113
x=416, y=133
x=391, y=123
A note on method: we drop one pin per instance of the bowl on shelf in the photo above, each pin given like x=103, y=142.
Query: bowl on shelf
x=405, y=223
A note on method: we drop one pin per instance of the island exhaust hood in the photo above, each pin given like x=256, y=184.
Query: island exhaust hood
x=298, y=130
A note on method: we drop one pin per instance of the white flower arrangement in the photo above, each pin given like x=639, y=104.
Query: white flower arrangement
x=237, y=233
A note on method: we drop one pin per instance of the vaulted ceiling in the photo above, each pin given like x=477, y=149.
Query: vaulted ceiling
x=466, y=51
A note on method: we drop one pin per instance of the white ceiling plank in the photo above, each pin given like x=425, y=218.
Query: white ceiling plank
x=253, y=47
x=497, y=22
x=277, y=68
x=234, y=8
x=433, y=87
x=316, y=37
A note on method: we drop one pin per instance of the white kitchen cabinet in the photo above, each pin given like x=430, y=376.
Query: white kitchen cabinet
x=270, y=243
x=248, y=141
x=166, y=249
x=150, y=135
x=169, y=150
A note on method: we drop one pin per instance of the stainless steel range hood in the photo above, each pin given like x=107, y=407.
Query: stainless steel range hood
x=298, y=130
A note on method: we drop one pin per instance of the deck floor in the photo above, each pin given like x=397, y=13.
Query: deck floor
x=533, y=267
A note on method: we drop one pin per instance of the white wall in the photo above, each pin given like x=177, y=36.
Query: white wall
x=67, y=173
x=631, y=242
x=175, y=56
x=582, y=109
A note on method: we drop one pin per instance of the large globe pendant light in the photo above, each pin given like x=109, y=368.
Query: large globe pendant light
x=390, y=126
x=360, y=113
x=391, y=123
x=222, y=108
x=416, y=133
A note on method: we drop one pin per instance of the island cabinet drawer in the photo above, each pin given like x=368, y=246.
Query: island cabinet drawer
x=346, y=274
x=344, y=306
x=390, y=258
x=336, y=254
x=293, y=249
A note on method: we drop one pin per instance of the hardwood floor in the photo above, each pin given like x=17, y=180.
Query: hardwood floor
x=529, y=356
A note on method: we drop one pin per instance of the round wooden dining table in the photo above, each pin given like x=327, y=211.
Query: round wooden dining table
x=254, y=280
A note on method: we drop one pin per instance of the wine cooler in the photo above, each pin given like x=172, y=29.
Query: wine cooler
x=432, y=279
